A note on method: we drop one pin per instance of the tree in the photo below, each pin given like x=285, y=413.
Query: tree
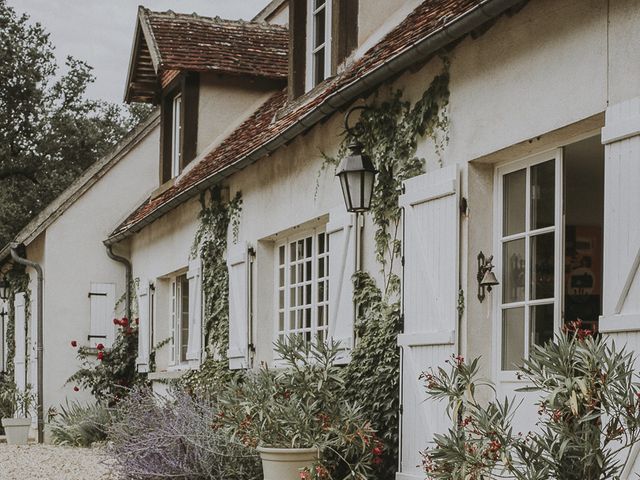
x=49, y=132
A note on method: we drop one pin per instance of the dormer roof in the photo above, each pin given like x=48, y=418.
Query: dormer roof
x=168, y=42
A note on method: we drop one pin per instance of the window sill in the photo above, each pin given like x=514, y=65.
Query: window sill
x=163, y=188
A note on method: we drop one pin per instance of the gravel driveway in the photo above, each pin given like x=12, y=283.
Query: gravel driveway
x=48, y=462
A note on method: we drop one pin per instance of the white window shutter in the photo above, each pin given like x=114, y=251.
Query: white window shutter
x=102, y=306
x=342, y=265
x=33, y=345
x=194, y=347
x=20, y=375
x=238, y=302
x=144, y=327
x=430, y=295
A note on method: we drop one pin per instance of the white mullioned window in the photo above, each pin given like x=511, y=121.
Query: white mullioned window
x=528, y=255
x=302, y=279
x=176, y=133
x=318, y=41
x=180, y=319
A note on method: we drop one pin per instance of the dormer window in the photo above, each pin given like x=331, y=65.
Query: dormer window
x=323, y=33
x=179, y=124
x=318, y=42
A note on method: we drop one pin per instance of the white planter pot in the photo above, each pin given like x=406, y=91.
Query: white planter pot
x=17, y=430
x=286, y=463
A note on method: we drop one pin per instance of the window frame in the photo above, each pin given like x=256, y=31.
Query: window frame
x=286, y=242
x=175, y=135
x=176, y=317
x=558, y=229
x=312, y=49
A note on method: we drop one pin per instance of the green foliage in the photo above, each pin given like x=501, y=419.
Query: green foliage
x=49, y=131
x=80, y=425
x=210, y=244
x=18, y=282
x=112, y=374
x=19, y=403
x=589, y=413
x=389, y=131
x=301, y=406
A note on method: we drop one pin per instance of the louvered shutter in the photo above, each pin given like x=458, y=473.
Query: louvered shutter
x=194, y=347
x=33, y=346
x=19, y=359
x=144, y=326
x=102, y=307
x=238, y=312
x=430, y=286
x=342, y=265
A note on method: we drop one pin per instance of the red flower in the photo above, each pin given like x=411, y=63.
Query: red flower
x=116, y=321
x=76, y=389
x=74, y=344
x=100, y=355
x=100, y=346
x=377, y=451
x=124, y=322
x=305, y=475
x=376, y=460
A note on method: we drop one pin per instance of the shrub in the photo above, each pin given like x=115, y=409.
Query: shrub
x=115, y=374
x=80, y=425
x=589, y=413
x=172, y=437
x=302, y=406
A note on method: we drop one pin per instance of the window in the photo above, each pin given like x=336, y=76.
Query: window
x=302, y=278
x=180, y=318
x=179, y=125
x=550, y=249
x=176, y=131
x=318, y=41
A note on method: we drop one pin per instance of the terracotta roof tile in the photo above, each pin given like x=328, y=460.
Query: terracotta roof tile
x=272, y=119
x=195, y=43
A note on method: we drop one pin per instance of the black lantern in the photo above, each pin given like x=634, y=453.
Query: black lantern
x=357, y=174
x=4, y=290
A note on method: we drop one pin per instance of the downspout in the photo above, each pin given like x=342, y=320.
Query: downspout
x=128, y=276
x=39, y=336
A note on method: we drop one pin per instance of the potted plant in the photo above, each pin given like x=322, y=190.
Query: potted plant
x=17, y=427
x=297, y=419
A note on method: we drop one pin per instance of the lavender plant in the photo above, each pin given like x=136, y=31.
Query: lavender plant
x=153, y=437
x=588, y=416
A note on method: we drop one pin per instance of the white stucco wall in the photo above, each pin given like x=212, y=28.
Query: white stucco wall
x=72, y=256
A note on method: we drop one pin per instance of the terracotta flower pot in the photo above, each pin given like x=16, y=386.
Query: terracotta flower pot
x=286, y=463
x=17, y=430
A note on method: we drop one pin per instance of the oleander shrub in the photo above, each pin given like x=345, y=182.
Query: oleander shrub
x=80, y=425
x=153, y=437
x=588, y=415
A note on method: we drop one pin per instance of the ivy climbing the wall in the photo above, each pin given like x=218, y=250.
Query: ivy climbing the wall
x=389, y=131
x=210, y=245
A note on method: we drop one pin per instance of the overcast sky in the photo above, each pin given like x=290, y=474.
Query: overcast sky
x=100, y=32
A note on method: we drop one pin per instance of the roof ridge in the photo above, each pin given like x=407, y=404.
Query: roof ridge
x=216, y=19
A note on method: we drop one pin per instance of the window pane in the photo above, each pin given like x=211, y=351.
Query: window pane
x=281, y=301
x=281, y=277
x=513, y=271
x=543, y=178
x=319, y=24
x=281, y=322
x=318, y=3
x=541, y=324
x=281, y=255
x=309, y=250
x=512, y=338
x=542, y=266
x=318, y=66
x=321, y=243
x=184, y=316
x=308, y=271
x=292, y=252
x=514, y=202
x=320, y=267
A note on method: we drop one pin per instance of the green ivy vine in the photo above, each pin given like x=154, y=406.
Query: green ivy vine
x=210, y=245
x=18, y=281
x=389, y=131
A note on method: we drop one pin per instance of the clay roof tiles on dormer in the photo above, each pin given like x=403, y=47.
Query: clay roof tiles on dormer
x=168, y=41
x=275, y=123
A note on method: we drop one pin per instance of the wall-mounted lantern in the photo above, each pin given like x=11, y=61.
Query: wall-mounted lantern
x=356, y=172
x=4, y=289
x=486, y=278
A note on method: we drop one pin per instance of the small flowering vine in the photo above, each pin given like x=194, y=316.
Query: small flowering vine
x=115, y=374
x=588, y=414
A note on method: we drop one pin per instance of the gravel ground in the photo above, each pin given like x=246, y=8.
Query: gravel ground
x=49, y=462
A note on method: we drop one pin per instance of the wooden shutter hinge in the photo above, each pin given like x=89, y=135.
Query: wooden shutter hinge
x=464, y=207
x=92, y=294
